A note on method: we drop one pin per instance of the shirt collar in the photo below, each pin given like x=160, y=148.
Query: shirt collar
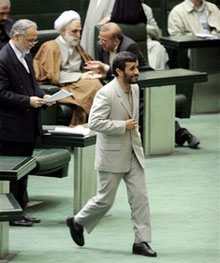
x=192, y=6
x=18, y=53
x=115, y=49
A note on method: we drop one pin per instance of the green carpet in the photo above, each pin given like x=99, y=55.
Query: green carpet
x=184, y=196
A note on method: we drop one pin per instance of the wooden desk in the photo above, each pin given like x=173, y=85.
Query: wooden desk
x=159, y=106
x=83, y=152
x=204, y=56
x=11, y=168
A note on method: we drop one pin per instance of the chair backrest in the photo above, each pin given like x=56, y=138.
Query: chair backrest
x=138, y=33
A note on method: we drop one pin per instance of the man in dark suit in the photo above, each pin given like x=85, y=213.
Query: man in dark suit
x=5, y=22
x=111, y=42
x=20, y=102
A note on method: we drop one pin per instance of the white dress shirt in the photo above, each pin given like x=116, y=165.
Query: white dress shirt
x=20, y=56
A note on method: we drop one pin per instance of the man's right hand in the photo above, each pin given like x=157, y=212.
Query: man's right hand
x=36, y=102
x=130, y=124
x=94, y=65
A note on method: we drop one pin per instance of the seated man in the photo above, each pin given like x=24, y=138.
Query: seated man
x=194, y=16
x=5, y=22
x=111, y=42
x=191, y=17
x=60, y=62
x=158, y=59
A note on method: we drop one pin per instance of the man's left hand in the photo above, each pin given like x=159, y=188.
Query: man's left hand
x=47, y=96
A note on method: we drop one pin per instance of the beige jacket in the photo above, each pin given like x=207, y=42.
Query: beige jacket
x=114, y=142
x=183, y=20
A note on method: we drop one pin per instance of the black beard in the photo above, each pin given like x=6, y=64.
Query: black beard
x=128, y=79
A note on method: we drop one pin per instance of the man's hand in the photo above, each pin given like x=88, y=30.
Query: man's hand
x=36, y=102
x=130, y=124
x=94, y=65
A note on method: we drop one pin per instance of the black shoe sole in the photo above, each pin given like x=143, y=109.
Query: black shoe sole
x=144, y=254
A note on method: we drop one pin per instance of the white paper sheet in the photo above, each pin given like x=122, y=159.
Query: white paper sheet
x=77, y=130
x=59, y=95
x=207, y=36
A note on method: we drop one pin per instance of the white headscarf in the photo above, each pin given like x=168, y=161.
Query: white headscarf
x=64, y=19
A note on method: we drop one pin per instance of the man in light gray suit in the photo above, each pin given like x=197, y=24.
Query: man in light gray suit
x=119, y=155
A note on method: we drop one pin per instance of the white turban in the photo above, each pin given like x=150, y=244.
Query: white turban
x=64, y=19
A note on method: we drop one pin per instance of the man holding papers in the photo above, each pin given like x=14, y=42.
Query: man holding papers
x=60, y=62
x=20, y=102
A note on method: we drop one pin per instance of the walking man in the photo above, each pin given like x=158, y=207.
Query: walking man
x=119, y=155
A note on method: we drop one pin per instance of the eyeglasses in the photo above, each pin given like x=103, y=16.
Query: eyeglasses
x=103, y=41
x=31, y=41
x=4, y=13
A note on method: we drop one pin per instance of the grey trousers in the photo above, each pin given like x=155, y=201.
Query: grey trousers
x=97, y=206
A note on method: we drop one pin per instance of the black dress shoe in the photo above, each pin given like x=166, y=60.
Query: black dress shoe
x=76, y=231
x=143, y=249
x=21, y=222
x=192, y=141
x=183, y=135
x=31, y=219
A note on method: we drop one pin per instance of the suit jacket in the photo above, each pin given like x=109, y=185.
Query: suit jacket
x=115, y=143
x=5, y=35
x=18, y=121
x=126, y=44
x=183, y=20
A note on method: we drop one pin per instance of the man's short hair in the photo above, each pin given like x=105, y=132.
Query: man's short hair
x=21, y=26
x=120, y=60
x=115, y=35
x=5, y=3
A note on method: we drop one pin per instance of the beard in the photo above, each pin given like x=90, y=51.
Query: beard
x=72, y=41
x=130, y=79
x=23, y=49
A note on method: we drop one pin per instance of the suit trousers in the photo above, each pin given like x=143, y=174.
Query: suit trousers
x=97, y=206
x=18, y=188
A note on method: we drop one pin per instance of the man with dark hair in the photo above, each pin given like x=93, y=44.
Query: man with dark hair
x=112, y=41
x=5, y=22
x=119, y=155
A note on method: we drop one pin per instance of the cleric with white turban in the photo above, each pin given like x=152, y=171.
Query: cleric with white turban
x=65, y=18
